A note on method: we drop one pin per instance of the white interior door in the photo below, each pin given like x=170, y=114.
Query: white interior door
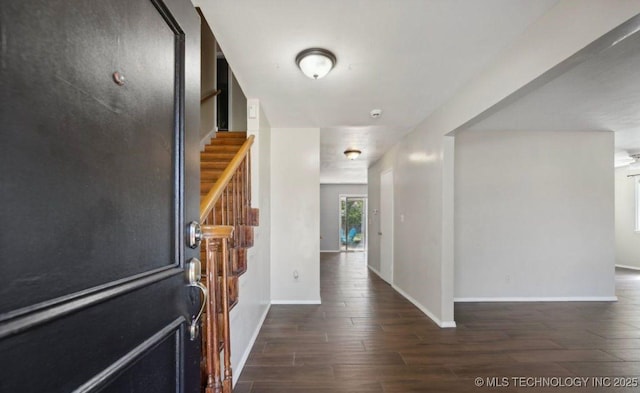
x=386, y=226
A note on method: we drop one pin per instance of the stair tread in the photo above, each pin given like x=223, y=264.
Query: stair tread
x=221, y=148
x=210, y=172
x=231, y=134
x=227, y=142
x=216, y=156
x=213, y=165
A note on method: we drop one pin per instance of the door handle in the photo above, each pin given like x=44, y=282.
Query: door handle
x=194, y=272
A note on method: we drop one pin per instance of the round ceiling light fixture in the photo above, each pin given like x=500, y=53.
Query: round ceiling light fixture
x=352, y=154
x=315, y=62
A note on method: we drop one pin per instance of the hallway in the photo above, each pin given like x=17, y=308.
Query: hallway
x=365, y=337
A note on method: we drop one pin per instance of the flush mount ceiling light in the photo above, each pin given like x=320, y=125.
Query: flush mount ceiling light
x=315, y=62
x=352, y=154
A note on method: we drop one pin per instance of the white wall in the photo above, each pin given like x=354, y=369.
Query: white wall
x=419, y=274
x=295, y=215
x=627, y=239
x=255, y=293
x=373, y=194
x=207, y=81
x=529, y=58
x=237, y=105
x=534, y=216
x=329, y=212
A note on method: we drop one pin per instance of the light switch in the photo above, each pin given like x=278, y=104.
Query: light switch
x=253, y=112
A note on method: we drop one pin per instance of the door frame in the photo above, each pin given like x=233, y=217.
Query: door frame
x=383, y=272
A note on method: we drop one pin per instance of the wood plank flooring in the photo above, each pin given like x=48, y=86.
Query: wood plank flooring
x=367, y=338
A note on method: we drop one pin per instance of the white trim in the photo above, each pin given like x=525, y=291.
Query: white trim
x=376, y=272
x=537, y=299
x=247, y=351
x=296, y=301
x=637, y=202
x=391, y=230
x=628, y=267
x=342, y=184
x=442, y=324
x=330, y=251
x=207, y=138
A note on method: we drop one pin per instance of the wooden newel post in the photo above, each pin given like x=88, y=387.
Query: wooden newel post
x=216, y=243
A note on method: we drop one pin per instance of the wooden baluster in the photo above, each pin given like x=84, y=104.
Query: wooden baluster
x=213, y=384
x=229, y=204
x=243, y=202
x=228, y=381
x=236, y=209
x=222, y=208
x=249, y=173
x=243, y=206
x=233, y=206
x=244, y=191
x=226, y=205
x=247, y=201
x=234, y=214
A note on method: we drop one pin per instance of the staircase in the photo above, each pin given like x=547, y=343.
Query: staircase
x=216, y=157
x=227, y=221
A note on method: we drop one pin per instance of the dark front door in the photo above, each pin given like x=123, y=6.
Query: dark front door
x=98, y=180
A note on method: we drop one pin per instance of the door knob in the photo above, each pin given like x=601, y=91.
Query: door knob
x=194, y=272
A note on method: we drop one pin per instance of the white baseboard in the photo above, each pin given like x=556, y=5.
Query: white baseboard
x=442, y=324
x=376, y=272
x=296, y=301
x=536, y=299
x=628, y=267
x=247, y=352
x=329, y=250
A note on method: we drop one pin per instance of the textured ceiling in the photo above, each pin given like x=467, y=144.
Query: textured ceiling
x=405, y=57
x=600, y=94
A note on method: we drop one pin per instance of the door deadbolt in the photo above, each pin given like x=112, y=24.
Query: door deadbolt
x=194, y=234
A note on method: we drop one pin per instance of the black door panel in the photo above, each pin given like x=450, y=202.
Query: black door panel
x=98, y=179
x=74, y=348
x=96, y=167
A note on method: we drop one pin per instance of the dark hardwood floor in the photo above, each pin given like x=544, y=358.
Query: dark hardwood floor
x=365, y=337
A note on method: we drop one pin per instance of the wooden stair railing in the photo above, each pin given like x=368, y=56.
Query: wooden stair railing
x=216, y=247
x=227, y=221
x=211, y=94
